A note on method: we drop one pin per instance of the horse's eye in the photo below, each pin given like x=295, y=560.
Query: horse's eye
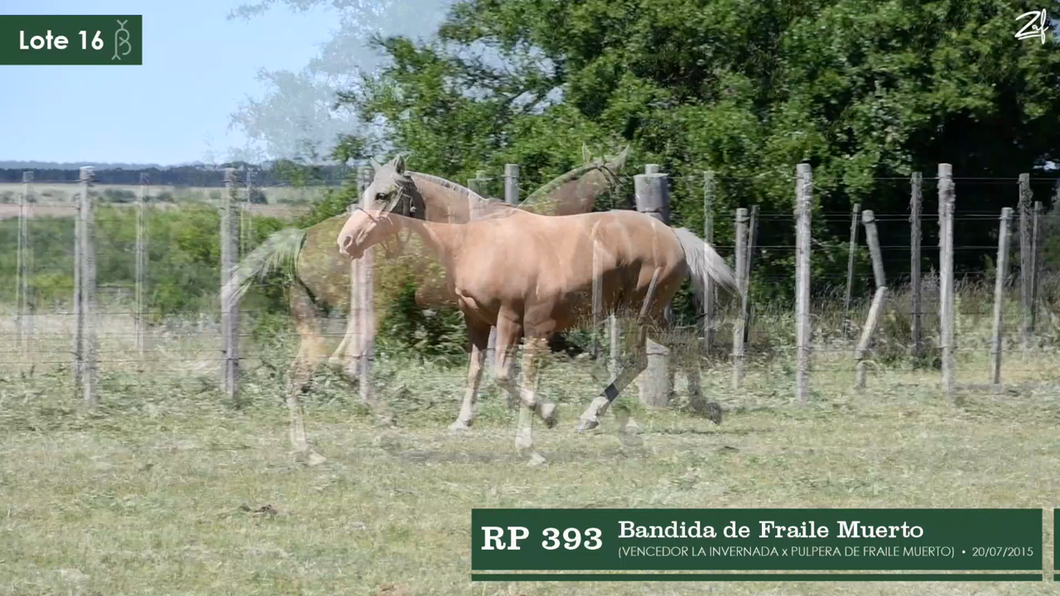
x=380, y=196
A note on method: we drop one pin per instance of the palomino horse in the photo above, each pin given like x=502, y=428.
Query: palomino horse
x=530, y=276
x=321, y=276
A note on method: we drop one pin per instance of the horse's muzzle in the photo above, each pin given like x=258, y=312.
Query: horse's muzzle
x=346, y=247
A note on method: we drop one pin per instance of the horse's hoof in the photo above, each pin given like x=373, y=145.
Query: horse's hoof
x=630, y=440
x=714, y=412
x=550, y=415
x=385, y=422
x=535, y=460
x=524, y=442
x=309, y=457
x=631, y=427
x=460, y=426
x=587, y=424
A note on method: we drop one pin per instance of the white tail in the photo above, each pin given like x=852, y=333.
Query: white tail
x=703, y=262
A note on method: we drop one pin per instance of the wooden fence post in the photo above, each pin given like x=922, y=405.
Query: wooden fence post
x=615, y=348
x=868, y=218
x=1026, y=259
x=737, y=331
x=653, y=197
x=230, y=227
x=141, y=265
x=367, y=294
x=24, y=270
x=355, y=334
x=946, y=287
x=87, y=318
x=803, y=332
x=999, y=295
x=708, y=285
x=752, y=244
x=351, y=364
x=511, y=196
x=511, y=183
x=598, y=299
x=850, y=261
x=1035, y=252
x=917, y=328
x=77, y=341
x=477, y=185
x=356, y=331
x=866, y=335
x=244, y=214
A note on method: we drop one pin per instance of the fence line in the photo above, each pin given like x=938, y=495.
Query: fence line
x=652, y=194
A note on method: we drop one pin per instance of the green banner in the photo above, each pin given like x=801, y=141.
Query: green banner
x=71, y=39
x=756, y=539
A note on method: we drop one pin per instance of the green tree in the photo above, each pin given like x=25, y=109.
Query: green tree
x=862, y=90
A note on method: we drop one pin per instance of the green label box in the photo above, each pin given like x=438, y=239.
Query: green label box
x=941, y=540
x=71, y=39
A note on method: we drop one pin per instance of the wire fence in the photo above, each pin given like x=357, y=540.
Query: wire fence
x=156, y=305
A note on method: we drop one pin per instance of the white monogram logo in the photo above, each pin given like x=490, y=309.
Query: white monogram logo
x=1035, y=27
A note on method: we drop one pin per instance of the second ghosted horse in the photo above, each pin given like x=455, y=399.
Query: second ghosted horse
x=530, y=276
x=321, y=276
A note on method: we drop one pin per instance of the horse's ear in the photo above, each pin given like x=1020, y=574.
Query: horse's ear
x=376, y=166
x=587, y=156
x=619, y=160
x=399, y=163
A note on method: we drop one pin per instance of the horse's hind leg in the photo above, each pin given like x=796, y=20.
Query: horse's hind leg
x=628, y=370
x=650, y=312
x=697, y=402
x=310, y=353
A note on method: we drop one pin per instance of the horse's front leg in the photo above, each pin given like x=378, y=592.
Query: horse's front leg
x=508, y=333
x=479, y=336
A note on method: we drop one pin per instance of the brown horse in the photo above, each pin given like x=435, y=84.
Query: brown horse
x=530, y=276
x=321, y=276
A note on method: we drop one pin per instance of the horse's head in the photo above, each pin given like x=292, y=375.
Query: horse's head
x=609, y=165
x=393, y=191
x=363, y=229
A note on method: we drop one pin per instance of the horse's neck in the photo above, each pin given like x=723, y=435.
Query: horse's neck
x=446, y=204
x=573, y=192
x=444, y=240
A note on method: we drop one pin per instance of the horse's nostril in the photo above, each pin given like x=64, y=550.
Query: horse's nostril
x=347, y=240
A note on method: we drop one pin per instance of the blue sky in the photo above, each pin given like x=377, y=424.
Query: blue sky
x=197, y=67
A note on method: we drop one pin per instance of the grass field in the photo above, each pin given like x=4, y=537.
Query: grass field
x=168, y=489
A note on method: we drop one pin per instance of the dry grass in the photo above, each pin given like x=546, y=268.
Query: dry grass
x=167, y=489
